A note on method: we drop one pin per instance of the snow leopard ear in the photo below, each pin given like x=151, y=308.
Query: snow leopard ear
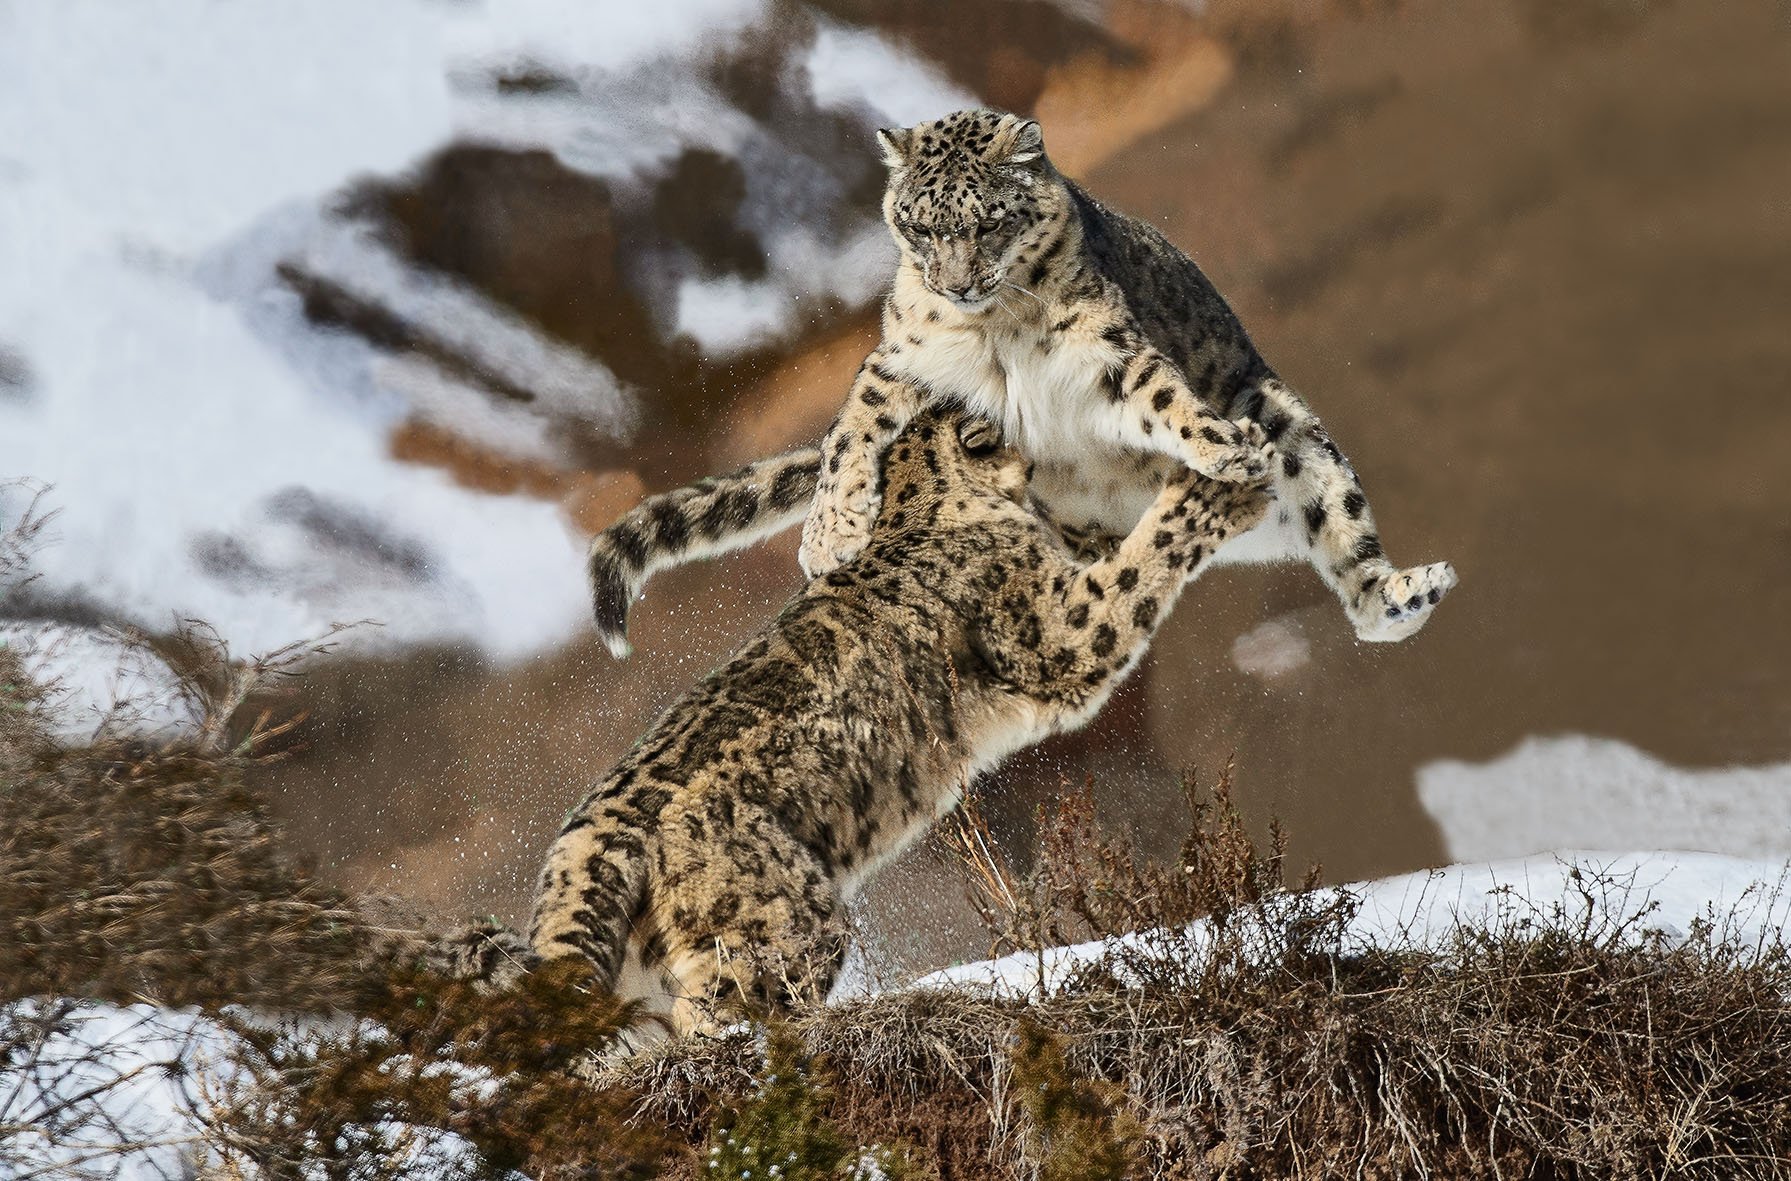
x=895, y=142
x=1019, y=143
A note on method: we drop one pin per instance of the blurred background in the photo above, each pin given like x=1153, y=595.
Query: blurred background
x=326, y=311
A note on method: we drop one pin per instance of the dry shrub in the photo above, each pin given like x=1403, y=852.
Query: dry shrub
x=25, y=534
x=129, y=874
x=900, y=1069
x=154, y=875
x=1088, y=885
x=1230, y=1029
x=157, y=876
x=434, y=1064
x=24, y=731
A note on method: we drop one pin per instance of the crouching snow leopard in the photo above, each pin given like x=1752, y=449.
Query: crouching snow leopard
x=1101, y=350
x=722, y=849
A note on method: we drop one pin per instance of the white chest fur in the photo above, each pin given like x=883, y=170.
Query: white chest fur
x=1048, y=392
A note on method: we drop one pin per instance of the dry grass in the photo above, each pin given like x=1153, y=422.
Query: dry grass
x=134, y=871
x=20, y=539
x=360, y=1046
x=1546, y=1047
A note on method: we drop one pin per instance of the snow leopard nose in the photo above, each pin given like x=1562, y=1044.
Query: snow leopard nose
x=958, y=272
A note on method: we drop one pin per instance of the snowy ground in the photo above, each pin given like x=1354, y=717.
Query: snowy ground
x=1596, y=793
x=126, y=1092
x=146, y=1075
x=1745, y=899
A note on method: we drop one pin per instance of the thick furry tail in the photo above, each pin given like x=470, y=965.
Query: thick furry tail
x=593, y=886
x=714, y=516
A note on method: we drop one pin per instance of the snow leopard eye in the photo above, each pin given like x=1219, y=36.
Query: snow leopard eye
x=991, y=223
x=979, y=437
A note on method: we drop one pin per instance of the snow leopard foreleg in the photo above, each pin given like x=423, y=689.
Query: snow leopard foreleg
x=1150, y=406
x=1073, y=644
x=845, y=505
x=1324, y=518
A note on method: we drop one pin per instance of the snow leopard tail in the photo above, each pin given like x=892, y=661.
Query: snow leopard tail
x=713, y=516
x=593, y=886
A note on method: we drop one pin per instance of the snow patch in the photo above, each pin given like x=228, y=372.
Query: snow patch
x=553, y=33
x=860, y=68
x=197, y=474
x=731, y=314
x=98, y=684
x=1746, y=901
x=113, y=1092
x=1600, y=793
x=1272, y=649
x=726, y=315
x=126, y=1093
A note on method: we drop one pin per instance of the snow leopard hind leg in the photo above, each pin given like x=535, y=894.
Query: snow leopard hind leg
x=1322, y=516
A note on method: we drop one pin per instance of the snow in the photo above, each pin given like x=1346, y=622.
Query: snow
x=173, y=124
x=731, y=314
x=198, y=474
x=724, y=315
x=96, y=683
x=148, y=1075
x=1744, y=898
x=605, y=36
x=212, y=452
x=126, y=1092
x=215, y=454
x=622, y=123
x=862, y=68
x=1601, y=793
x=1272, y=649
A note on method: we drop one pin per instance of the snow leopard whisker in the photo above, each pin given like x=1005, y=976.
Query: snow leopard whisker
x=1025, y=291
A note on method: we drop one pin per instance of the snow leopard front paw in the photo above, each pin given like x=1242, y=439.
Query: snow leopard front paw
x=1235, y=452
x=1402, y=604
x=837, y=529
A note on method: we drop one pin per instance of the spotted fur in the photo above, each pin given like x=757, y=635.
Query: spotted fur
x=721, y=851
x=697, y=521
x=1105, y=355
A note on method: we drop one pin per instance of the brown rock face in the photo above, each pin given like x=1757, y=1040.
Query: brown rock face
x=534, y=235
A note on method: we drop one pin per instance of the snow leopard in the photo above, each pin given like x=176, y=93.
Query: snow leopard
x=1102, y=351
x=719, y=855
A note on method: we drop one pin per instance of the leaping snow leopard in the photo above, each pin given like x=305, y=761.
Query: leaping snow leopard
x=1102, y=351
